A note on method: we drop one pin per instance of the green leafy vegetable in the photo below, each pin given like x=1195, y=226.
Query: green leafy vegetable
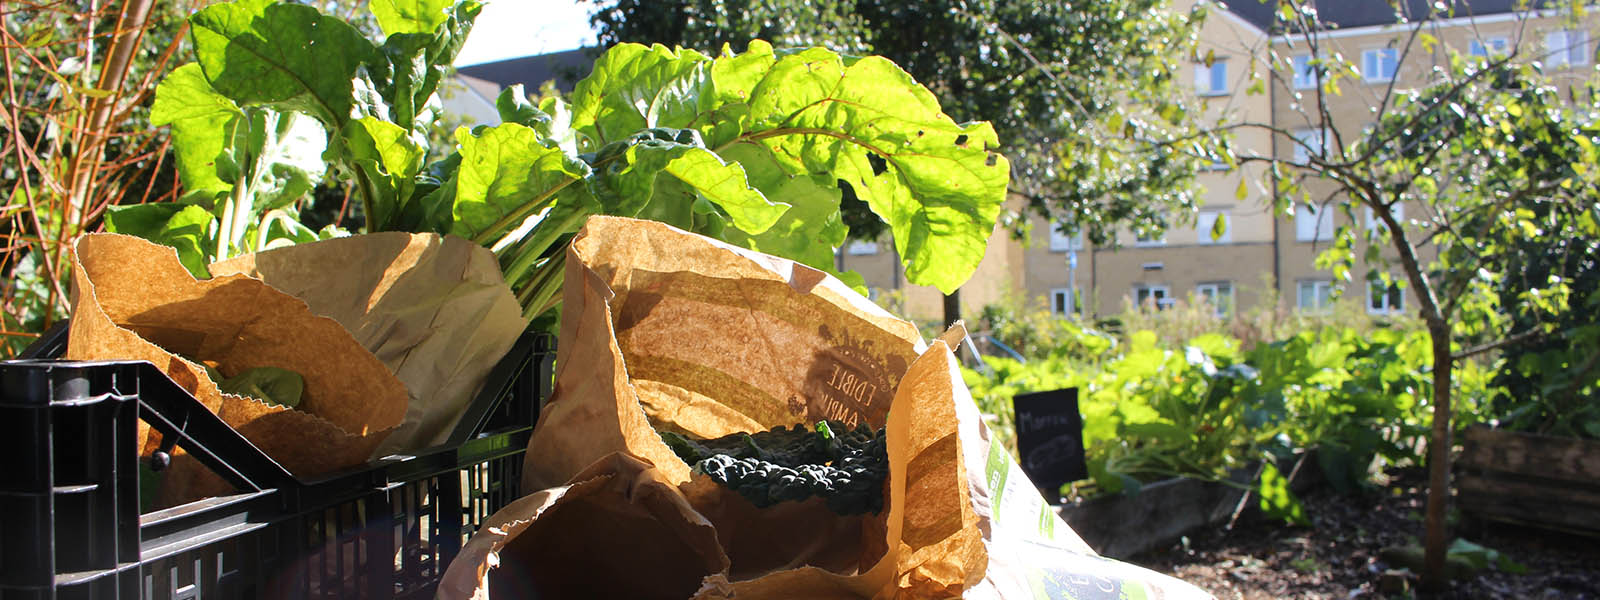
x=848, y=468
x=271, y=385
x=754, y=148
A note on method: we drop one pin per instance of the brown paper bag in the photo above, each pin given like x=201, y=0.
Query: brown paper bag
x=617, y=531
x=664, y=330
x=134, y=300
x=434, y=309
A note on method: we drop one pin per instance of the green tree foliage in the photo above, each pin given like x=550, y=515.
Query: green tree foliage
x=1082, y=93
x=1499, y=160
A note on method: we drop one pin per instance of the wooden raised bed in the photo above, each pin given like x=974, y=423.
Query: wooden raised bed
x=1123, y=525
x=1529, y=479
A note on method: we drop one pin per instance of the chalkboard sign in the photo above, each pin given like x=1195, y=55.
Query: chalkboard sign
x=1050, y=439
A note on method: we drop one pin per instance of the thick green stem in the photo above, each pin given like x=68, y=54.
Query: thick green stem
x=369, y=203
x=506, y=223
x=545, y=234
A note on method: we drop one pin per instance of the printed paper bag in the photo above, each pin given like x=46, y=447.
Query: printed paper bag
x=664, y=330
x=134, y=300
x=434, y=309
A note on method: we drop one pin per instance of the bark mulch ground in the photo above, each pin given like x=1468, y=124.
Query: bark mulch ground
x=1338, y=556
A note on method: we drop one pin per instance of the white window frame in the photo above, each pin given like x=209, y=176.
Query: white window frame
x=1389, y=302
x=1567, y=48
x=1140, y=242
x=861, y=248
x=1061, y=302
x=1212, y=290
x=1061, y=242
x=1208, y=219
x=1306, y=139
x=1320, y=294
x=1305, y=75
x=1373, y=62
x=1489, y=46
x=1313, y=226
x=1161, y=292
x=1211, y=80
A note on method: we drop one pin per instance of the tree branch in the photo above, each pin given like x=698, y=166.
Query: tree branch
x=1525, y=336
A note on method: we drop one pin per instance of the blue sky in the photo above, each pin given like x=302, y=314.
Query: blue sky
x=513, y=28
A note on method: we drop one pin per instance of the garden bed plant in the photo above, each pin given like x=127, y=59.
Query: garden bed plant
x=1198, y=408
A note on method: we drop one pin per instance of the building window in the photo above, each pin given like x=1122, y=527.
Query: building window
x=1497, y=46
x=1380, y=64
x=1305, y=75
x=1208, y=222
x=1158, y=295
x=1315, y=295
x=1219, y=294
x=1150, y=239
x=1211, y=80
x=1312, y=224
x=1376, y=224
x=1061, y=242
x=862, y=248
x=1061, y=303
x=1385, y=299
x=1307, y=142
x=1568, y=47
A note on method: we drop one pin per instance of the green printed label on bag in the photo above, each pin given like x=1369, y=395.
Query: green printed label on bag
x=1047, y=522
x=996, y=472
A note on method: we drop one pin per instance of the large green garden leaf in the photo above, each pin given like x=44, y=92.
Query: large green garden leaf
x=634, y=87
x=389, y=158
x=505, y=173
x=938, y=184
x=413, y=63
x=203, y=124
x=409, y=16
x=810, y=230
x=865, y=122
x=285, y=151
x=181, y=226
x=629, y=180
x=287, y=56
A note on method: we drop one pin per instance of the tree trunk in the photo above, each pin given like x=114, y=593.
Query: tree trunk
x=1436, y=537
x=952, y=307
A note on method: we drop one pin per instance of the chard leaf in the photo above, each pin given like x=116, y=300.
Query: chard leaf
x=513, y=107
x=811, y=228
x=634, y=87
x=409, y=16
x=506, y=174
x=629, y=180
x=390, y=158
x=413, y=64
x=286, y=151
x=287, y=56
x=938, y=184
x=181, y=226
x=203, y=124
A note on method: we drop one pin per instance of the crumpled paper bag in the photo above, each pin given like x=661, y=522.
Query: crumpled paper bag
x=563, y=542
x=134, y=300
x=665, y=330
x=434, y=309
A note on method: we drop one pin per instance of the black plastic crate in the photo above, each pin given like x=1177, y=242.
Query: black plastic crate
x=69, y=494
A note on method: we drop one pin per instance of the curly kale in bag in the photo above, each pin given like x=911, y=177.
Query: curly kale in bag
x=847, y=469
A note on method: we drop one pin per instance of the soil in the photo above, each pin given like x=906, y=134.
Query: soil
x=1338, y=555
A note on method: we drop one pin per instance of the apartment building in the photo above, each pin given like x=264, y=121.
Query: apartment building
x=1262, y=256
